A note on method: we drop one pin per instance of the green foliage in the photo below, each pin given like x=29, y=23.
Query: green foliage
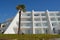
x=28, y=36
x=20, y=7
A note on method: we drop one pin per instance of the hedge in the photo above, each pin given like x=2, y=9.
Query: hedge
x=28, y=36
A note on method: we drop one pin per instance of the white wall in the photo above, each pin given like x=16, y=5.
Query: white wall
x=12, y=28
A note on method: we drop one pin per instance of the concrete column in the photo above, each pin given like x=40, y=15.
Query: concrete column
x=33, y=21
x=42, y=26
x=49, y=23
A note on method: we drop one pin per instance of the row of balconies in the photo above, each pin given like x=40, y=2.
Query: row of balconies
x=38, y=30
x=40, y=14
x=30, y=30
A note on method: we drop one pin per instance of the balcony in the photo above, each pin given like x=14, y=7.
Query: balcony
x=23, y=22
x=27, y=30
x=26, y=26
x=26, y=21
x=25, y=16
x=40, y=26
x=36, y=16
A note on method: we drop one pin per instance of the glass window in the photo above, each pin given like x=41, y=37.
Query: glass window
x=37, y=19
x=58, y=14
x=43, y=14
x=23, y=14
x=54, y=24
x=45, y=24
x=26, y=19
x=58, y=31
x=36, y=14
x=38, y=31
x=51, y=14
x=26, y=24
x=59, y=23
x=44, y=19
x=45, y=30
x=54, y=30
x=58, y=19
x=3, y=25
x=29, y=19
x=27, y=31
x=37, y=24
x=28, y=14
x=53, y=19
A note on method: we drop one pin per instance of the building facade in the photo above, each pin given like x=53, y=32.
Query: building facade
x=4, y=25
x=36, y=22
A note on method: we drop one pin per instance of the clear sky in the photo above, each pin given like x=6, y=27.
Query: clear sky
x=8, y=7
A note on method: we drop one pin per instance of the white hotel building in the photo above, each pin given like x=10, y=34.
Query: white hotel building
x=36, y=22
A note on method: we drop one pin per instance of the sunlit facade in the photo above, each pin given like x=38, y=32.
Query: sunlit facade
x=36, y=22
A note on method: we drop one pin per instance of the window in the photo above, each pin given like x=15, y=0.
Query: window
x=38, y=31
x=45, y=30
x=44, y=19
x=23, y=14
x=58, y=31
x=37, y=24
x=37, y=19
x=43, y=14
x=26, y=19
x=58, y=19
x=36, y=14
x=26, y=24
x=29, y=19
x=59, y=23
x=27, y=31
x=45, y=24
x=54, y=24
x=28, y=14
x=51, y=14
x=53, y=19
x=3, y=25
x=54, y=30
x=58, y=14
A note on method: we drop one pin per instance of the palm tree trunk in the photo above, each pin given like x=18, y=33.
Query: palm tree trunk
x=19, y=22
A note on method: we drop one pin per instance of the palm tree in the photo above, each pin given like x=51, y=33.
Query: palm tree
x=0, y=24
x=20, y=8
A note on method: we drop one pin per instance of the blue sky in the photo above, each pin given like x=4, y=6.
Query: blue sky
x=8, y=7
